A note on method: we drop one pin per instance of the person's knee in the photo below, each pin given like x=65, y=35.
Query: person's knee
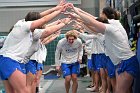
x=103, y=75
x=74, y=79
x=67, y=79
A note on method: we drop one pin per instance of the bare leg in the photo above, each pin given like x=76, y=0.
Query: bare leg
x=113, y=83
x=103, y=79
x=8, y=87
x=33, y=88
x=18, y=82
x=87, y=71
x=75, y=83
x=92, y=77
x=67, y=83
x=124, y=82
x=30, y=81
x=108, y=85
x=96, y=87
x=38, y=76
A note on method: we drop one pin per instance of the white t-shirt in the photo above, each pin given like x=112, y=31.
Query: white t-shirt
x=35, y=47
x=116, y=45
x=117, y=24
x=18, y=41
x=88, y=48
x=40, y=55
x=66, y=53
x=97, y=42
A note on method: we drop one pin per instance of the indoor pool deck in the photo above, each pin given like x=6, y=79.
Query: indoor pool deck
x=57, y=85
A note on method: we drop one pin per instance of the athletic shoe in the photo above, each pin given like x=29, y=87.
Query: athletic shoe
x=87, y=75
x=93, y=89
x=89, y=87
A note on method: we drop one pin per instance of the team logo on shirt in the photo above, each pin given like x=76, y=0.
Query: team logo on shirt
x=71, y=50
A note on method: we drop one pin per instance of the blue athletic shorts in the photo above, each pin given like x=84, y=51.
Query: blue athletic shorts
x=110, y=67
x=93, y=58
x=130, y=65
x=31, y=66
x=39, y=66
x=90, y=65
x=69, y=69
x=8, y=66
x=102, y=60
x=99, y=61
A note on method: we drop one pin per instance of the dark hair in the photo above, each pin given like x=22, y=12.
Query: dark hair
x=109, y=12
x=117, y=15
x=103, y=20
x=11, y=29
x=31, y=16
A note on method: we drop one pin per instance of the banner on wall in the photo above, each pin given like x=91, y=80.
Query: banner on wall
x=15, y=3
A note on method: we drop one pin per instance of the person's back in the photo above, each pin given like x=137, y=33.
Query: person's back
x=17, y=41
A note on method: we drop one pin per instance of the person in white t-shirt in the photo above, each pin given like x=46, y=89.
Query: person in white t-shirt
x=113, y=17
x=34, y=58
x=68, y=55
x=17, y=44
x=98, y=58
x=117, y=49
x=42, y=57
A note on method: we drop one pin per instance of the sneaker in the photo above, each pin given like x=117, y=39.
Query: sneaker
x=89, y=87
x=87, y=75
x=93, y=89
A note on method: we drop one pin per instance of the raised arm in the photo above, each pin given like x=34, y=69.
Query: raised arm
x=85, y=36
x=40, y=22
x=49, y=39
x=53, y=23
x=49, y=30
x=100, y=27
x=62, y=2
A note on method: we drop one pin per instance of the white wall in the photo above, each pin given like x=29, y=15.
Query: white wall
x=9, y=16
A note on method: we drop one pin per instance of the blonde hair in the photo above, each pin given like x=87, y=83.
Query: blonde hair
x=71, y=33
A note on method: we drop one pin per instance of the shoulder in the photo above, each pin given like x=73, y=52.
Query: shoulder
x=24, y=23
x=110, y=28
x=78, y=40
x=62, y=41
